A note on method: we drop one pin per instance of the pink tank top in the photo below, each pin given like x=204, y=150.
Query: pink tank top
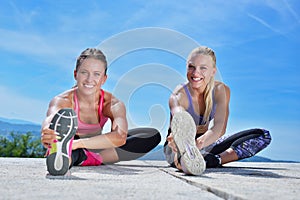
x=84, y=128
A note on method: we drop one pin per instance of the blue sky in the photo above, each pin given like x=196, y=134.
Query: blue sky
x=256, y=43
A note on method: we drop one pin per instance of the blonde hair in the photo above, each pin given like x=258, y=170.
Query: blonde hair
x=203, y=50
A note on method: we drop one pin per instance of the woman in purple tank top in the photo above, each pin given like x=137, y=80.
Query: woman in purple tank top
x=194, y=142
x=72, y=130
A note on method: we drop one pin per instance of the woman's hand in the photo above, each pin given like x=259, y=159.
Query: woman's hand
x=48, y=137
x=78, y=144
x=171, y=143
x=199, y=143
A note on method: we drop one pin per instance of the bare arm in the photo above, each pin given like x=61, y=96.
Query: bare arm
x=222, y=98
x=176, y=104
x=47, y=135
x=115, y=138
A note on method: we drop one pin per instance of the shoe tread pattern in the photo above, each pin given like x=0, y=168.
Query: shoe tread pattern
x=65, y=124
x=184, y=131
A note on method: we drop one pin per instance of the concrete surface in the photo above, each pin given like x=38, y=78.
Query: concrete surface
x=22, y=178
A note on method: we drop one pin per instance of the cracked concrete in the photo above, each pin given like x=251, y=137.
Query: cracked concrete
x=26, y=178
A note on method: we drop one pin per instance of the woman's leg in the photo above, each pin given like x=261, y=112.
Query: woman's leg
x=78, y=156
x=250, y=146
x=239, y=146
x=85, y=157
x=88, y=157
x=139, y=142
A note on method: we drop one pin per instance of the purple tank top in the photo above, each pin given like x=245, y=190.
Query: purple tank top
x=198, y=118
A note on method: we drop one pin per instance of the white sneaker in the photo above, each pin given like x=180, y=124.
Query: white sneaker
x=184, y=131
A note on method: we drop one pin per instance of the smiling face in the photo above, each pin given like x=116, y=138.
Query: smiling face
x=200, y=70
x=90, y=76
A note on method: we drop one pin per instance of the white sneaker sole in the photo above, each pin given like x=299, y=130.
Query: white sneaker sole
x=184, y=131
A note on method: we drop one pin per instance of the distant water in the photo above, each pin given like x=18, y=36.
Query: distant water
x=7, y=126
x=21, y=127
x=17, y=121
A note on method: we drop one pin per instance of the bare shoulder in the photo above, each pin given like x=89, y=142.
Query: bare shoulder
x=178, y=92
x=220, y=86
x=178, y=97
x=178, y=89
x=221, y=89
x=107, y=98
x=110, y=99
x=175, y=94
x=63, y=100
x=112, y=104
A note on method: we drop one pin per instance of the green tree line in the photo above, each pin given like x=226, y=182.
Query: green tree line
x=21, y=145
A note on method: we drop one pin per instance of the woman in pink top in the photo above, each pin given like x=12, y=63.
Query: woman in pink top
x=80, y=114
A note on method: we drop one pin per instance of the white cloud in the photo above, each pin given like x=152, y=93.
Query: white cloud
x=16, y=106
x=22, y=17
x=264, y=23
x=23, y=42
x=292, y=11
x=147, y=37
x=47, y=35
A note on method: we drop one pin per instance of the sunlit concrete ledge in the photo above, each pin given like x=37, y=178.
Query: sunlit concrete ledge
x=26, y=178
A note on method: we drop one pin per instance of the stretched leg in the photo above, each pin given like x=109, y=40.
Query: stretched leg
x=139, y=142
x=228, y=155
x=238, y=146
x=249, y=147
x=109, y=156
x=85, y=157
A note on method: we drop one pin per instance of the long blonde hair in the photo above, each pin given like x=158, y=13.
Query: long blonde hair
x=203, y=50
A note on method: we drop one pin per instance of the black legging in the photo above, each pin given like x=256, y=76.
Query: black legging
x=139, y=142
x=245, y=143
